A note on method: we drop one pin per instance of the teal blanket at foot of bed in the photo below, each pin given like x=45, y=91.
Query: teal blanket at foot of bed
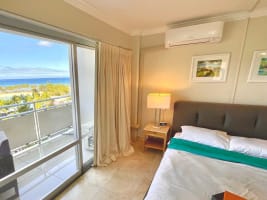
x=217, y=153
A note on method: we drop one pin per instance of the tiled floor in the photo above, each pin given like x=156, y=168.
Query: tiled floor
x=43, y=179
x=127, y=178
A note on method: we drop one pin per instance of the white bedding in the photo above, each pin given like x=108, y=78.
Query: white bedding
x=185, y=176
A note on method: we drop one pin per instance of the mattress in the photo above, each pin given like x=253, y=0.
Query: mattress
x=186, y=176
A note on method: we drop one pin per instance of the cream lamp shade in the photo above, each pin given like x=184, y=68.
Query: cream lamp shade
x=159, y=100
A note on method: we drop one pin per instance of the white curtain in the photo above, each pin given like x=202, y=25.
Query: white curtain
x=113, y=104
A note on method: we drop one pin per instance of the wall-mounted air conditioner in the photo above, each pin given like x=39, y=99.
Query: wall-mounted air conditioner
x=208, y=32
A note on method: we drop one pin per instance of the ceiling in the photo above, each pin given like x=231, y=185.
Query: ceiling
x=150, y=16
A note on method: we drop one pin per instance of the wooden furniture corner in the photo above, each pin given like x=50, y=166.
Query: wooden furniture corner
x=155, y=137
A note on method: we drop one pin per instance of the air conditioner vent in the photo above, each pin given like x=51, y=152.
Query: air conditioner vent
x=208, y=32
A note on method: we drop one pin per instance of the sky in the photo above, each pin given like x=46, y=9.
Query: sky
x=24, y=56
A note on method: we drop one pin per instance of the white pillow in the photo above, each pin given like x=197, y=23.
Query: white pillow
x=251, y=146
x=214, y=138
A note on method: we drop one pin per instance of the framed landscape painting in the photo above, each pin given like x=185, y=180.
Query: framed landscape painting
x=210, y=68
x=258, y=68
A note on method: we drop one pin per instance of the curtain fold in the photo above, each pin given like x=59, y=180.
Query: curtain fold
x=113, y=104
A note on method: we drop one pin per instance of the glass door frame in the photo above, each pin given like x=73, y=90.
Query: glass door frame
x=85, y=166
x=77, y=143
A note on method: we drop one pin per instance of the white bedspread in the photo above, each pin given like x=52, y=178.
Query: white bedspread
x=185, y=176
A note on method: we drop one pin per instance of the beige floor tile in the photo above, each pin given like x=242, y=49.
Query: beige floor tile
x=80, y=191
x=127, y=178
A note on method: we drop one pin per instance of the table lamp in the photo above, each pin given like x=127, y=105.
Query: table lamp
x=158, y=101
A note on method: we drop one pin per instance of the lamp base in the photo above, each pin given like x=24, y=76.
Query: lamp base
x=157, y=122
x=163, y=123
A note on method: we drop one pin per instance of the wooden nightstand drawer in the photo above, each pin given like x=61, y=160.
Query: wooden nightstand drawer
x=154, y=134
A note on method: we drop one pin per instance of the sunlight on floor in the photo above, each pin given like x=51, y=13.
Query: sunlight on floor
x=127, y=178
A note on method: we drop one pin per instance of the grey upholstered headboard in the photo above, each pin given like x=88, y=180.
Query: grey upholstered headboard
x=238, y=120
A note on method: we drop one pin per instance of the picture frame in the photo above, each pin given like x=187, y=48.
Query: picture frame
x=258, y=67
x=210, y=68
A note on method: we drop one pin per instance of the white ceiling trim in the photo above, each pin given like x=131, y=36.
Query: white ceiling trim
x=226, y=18
x=261, y=12
x=150, y=31
x=93, y=12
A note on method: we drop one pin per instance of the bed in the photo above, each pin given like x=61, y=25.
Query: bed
x=188, y=176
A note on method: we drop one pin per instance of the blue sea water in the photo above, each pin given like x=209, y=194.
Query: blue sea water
x=34, y=81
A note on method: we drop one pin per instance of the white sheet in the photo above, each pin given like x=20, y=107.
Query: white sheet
x=185, y=176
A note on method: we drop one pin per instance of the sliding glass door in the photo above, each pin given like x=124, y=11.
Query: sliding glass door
x=46, y=120
x=86, y=82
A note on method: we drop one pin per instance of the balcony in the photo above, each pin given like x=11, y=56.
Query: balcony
x=45, y=127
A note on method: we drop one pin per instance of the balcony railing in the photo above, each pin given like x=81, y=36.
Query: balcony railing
x=43, y=119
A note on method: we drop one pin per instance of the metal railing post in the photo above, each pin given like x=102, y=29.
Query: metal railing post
x=36, y=123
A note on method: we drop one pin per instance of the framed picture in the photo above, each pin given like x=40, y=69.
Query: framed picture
x=210, y=68
x=258, y=68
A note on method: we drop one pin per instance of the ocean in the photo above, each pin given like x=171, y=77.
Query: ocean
x=34, y=81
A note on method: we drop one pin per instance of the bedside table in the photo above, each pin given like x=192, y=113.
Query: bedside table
x=155, y=138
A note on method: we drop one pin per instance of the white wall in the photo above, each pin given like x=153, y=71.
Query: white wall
x=168, y=70
x=252, y=93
